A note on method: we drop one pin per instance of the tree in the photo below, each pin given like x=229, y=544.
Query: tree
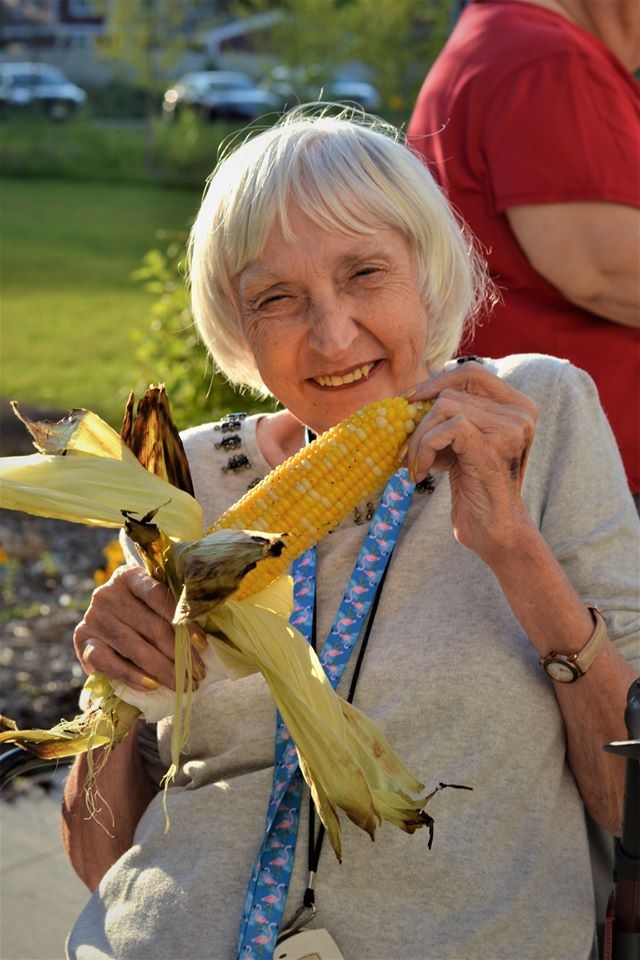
x=148, y=38
x=171, y=352
x=396, y=40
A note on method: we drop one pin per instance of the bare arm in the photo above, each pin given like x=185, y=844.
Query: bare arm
x=481, y=430
x=126, y=634
x=589, y=251
x=95, y=838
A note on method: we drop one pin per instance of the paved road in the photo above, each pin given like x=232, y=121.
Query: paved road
x=40, y=895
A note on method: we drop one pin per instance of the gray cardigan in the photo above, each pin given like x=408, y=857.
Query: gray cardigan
x=455, y=685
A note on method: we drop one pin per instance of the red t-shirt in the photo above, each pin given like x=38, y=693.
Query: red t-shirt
x=522, y=107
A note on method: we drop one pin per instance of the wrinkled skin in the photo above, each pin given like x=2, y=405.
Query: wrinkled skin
x=336, y=322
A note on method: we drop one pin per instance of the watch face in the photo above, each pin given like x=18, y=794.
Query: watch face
x=562, y=672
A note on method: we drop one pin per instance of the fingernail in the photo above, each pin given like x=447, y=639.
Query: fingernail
x=402, y=452
x=198, y=670
x=149, y=683
x=198, y=638
x=411, y=392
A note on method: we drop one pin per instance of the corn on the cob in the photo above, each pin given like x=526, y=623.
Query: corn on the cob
x=310, y=493
x=343, y=756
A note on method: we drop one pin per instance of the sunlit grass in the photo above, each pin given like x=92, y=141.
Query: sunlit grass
x=68, y=305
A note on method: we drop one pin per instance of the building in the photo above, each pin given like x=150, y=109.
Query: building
x=70, y=34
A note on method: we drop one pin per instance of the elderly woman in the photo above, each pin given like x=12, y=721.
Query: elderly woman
x=328, y=271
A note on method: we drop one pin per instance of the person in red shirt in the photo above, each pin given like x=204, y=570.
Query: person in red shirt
x=530, y=120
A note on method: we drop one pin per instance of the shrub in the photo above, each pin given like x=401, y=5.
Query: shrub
x=118, y=100
x=175, y=154
x=171, y=350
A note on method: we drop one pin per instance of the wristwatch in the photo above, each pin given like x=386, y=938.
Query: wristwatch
x=567, y=668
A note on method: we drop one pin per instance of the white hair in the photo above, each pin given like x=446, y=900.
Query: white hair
x=349, y=172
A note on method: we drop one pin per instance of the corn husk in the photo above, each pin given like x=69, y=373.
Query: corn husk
x=140, y=480
x=85, y=473
x=343, y=756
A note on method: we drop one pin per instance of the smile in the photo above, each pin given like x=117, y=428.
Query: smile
x=338, y=381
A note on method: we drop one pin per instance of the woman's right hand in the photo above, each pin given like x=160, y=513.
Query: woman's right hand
x=127, y=633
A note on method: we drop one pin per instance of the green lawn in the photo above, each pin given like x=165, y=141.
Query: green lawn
x=67, y=302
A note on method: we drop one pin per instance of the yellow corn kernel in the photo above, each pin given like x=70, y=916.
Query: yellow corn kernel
x=349, y=463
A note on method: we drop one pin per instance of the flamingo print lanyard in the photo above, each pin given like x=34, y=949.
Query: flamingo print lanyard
x=268, y=887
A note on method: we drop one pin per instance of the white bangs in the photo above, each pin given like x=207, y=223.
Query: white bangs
x=351, y=175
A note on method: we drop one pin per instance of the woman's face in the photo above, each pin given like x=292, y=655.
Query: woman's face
x=333, y=321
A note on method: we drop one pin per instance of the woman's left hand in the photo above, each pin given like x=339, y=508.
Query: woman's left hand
x=480, y=430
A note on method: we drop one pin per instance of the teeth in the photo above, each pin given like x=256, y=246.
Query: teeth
x=358, y=374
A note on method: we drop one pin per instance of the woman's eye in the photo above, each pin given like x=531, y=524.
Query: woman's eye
x=275, y=297
x=366, y=271
x=262, y=303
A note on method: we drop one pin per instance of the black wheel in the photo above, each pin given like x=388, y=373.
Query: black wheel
x=58, y=110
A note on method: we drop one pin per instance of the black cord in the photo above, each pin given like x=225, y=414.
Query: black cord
x=314, y=845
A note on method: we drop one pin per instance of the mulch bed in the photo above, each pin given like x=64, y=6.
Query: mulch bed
x=47, y=570
x=46, y=577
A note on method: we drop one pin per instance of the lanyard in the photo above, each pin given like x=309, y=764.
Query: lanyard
x=307, y=910
x=269, y=883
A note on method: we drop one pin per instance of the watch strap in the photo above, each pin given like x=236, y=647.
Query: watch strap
x=578, y=663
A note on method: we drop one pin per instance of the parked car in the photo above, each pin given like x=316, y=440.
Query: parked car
x=220, y=95
x=356, y=92
x=38, y=85
x=302, y=85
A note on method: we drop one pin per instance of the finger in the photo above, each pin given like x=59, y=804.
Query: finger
x=147, y=674
x=120, y=621
x=129, y=639
x=98, y=658
x=158, y=613
x=513, y=422
x=485, y=436
x=487, y=400
x=153, y=594
x=474, y=378
x=134, y=599
x=122, y=655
